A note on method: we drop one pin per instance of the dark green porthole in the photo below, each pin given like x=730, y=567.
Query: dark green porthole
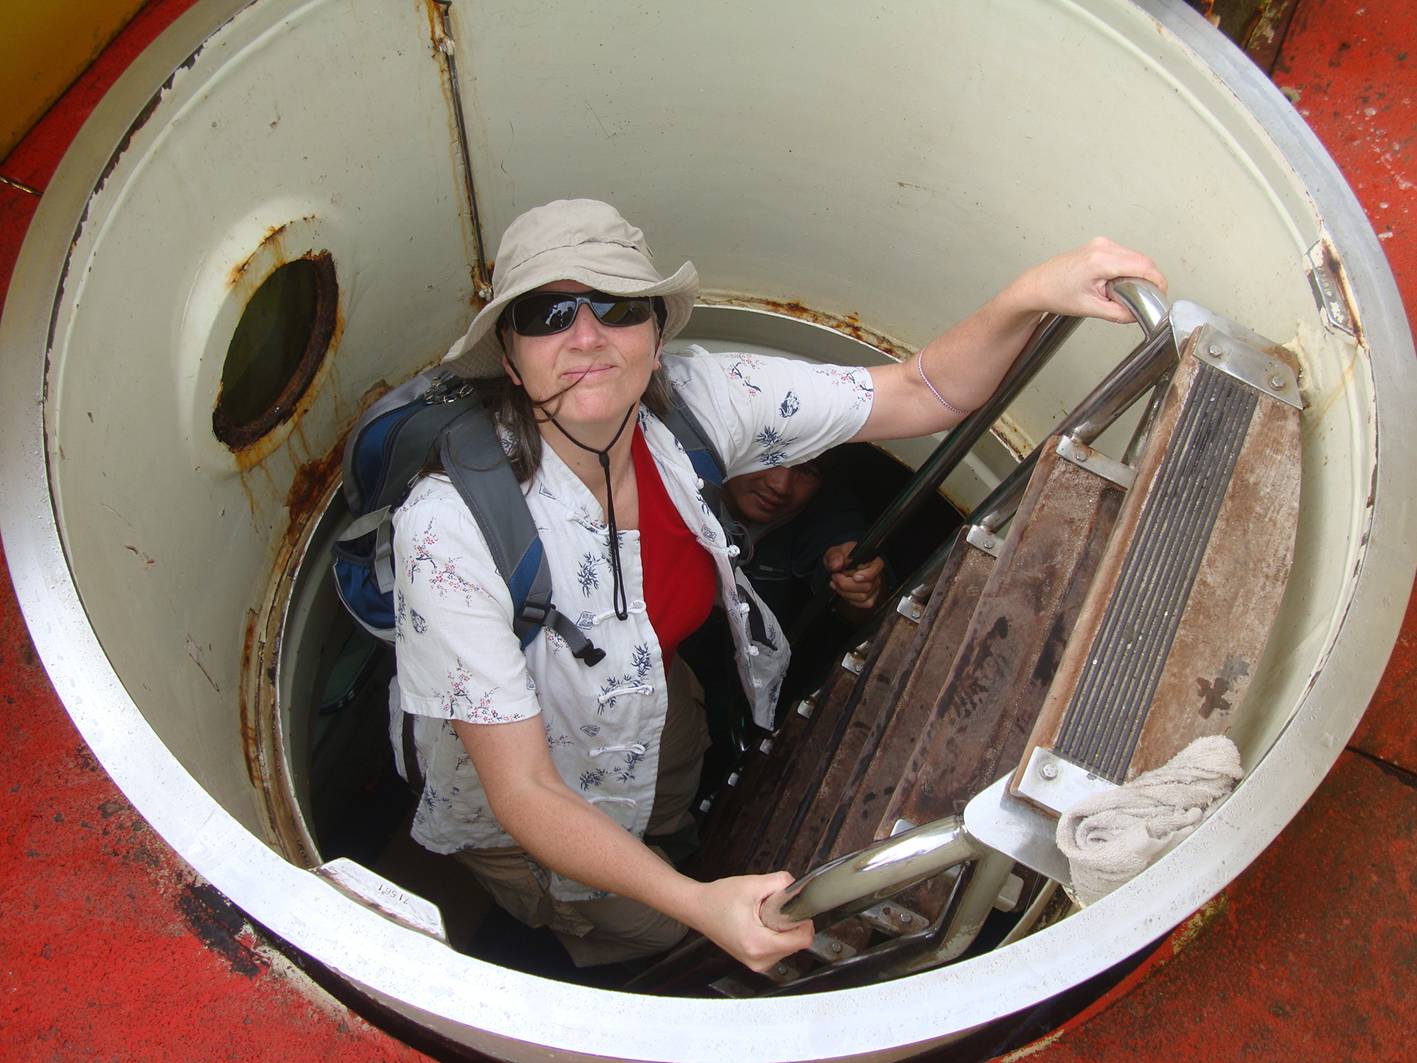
x=279, y=342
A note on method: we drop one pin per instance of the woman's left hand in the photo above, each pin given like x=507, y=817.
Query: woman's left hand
x=1075, y=282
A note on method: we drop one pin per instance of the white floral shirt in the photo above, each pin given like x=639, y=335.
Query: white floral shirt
x=458, y=658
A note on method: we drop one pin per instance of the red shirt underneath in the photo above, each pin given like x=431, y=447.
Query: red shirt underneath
x=678, y=573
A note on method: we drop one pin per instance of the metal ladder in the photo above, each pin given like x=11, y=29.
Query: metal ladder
x=1054, y=653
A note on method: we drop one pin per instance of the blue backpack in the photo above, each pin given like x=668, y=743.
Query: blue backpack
x=438, y=412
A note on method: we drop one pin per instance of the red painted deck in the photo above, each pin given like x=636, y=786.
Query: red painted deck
x=110, y=947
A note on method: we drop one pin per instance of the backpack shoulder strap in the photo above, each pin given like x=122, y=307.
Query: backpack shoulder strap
x=689, y=430
x=474, y=461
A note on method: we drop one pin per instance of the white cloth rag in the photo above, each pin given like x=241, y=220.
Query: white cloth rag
x=1111, y=837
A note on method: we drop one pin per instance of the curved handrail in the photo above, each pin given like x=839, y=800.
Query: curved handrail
x=1145, y=300
x=856, y=881
x=1147, y=304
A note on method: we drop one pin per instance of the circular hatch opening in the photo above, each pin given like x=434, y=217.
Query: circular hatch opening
x=278, y=344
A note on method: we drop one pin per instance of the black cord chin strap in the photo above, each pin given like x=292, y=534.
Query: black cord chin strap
x=618, y=599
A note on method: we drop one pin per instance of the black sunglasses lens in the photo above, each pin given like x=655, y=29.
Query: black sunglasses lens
x=543, y=313
x=547, y=313
x=619, y=313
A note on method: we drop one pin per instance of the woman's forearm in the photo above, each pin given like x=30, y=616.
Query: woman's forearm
x=564, y=832
x=959, y=369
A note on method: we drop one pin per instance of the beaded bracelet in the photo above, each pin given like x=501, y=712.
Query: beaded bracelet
x=946, y=403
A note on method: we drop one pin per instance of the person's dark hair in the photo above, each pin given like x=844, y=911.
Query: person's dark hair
x=512, y=408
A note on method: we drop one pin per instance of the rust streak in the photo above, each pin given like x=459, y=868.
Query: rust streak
x=250, y=732
x=847, y=324
x=312, y=483
x=272, y=239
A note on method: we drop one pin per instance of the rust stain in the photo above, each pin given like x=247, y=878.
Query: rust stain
x=309, y=492
x=271, y=239
x=250, y=732
x=433, y=11
x=847, y=324
x=443, y=50
x=311, y=486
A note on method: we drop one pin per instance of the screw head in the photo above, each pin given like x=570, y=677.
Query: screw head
x=1276, y=382
x=1048, y=771
x=1213, y=350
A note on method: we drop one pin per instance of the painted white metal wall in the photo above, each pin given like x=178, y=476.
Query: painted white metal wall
x=328, y=122
x=892, y=163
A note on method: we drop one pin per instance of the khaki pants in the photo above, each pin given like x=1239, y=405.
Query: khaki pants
x=611, y=929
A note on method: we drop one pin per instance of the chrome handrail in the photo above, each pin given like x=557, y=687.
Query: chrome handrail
x=1148, y=306
x=1145, y=300
x=1042, y=344
x=858, y=880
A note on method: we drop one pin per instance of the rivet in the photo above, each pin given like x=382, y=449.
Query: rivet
x=1048, y=771
x=1080, y=457
x=781, y=968
x=903, y=917
x=1214, y=351
x=836, y=946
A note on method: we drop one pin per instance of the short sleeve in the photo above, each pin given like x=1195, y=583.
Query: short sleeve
x=458, y=658
x=763, y=411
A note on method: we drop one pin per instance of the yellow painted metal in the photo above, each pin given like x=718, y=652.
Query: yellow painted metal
x=43, y=48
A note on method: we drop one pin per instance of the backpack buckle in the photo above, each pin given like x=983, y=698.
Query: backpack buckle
x=447, y=388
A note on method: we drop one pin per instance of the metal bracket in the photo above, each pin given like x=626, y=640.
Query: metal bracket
x=374, y=891
x=894, y=919
x=910, y=607
x=1016, y=828
x=982, y=538
x=829, y=949
x=1328, y=288
x=1094, y=461
x=1260, y=371
x=1010, y=895
x=1057, y=784
x=855, y=661
x=783, y=972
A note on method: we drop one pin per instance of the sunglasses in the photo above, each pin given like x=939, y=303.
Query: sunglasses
x=547, y=313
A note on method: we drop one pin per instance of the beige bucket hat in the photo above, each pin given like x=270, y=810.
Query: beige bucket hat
x=581, y=240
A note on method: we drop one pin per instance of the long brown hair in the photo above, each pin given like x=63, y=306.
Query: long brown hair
x=512, y=408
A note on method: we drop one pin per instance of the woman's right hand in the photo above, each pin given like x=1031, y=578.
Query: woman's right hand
x=727, y=914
